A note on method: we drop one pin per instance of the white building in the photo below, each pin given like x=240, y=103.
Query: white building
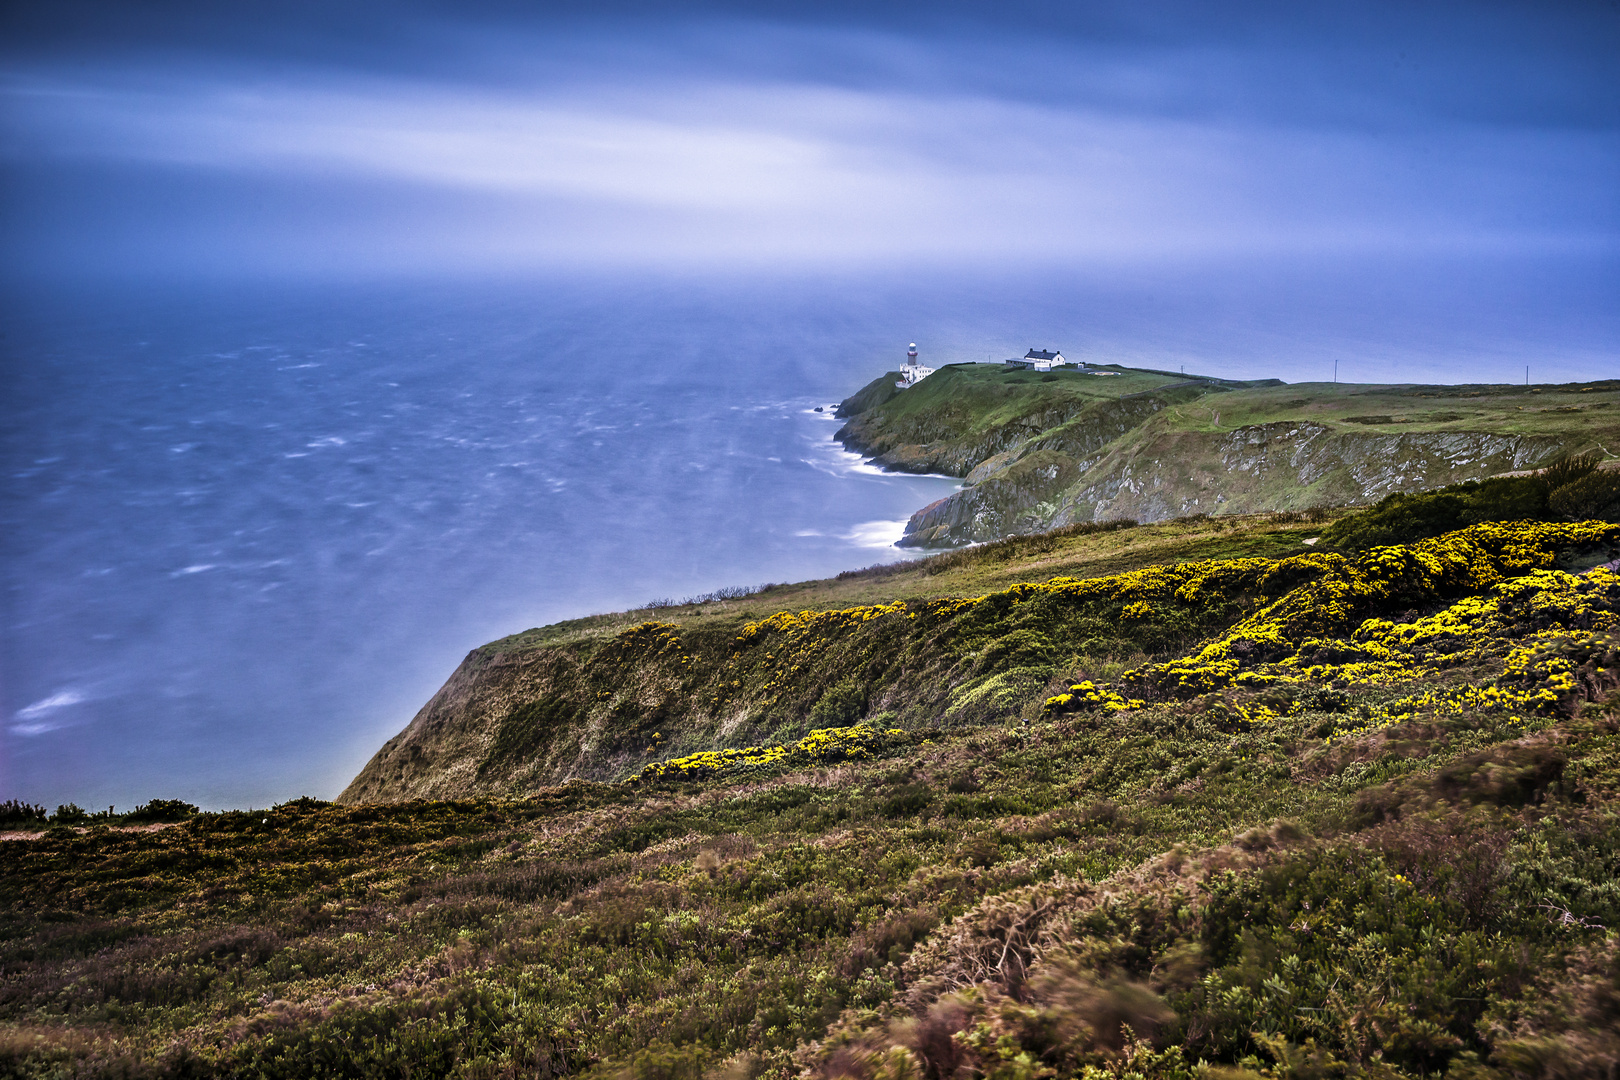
x=913, y=372
x=1039, y=359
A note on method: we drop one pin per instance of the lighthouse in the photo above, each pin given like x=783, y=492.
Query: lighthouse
x=913, y=372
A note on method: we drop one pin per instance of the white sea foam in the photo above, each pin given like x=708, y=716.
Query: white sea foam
x=876, y=534
x=195, y=569
x=834, y=460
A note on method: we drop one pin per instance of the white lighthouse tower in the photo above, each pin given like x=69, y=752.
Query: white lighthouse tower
x=913, y=372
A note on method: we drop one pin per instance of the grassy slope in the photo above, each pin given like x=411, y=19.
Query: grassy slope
x=1238, y=448
x=1567, y=410
x=1312, y=894
x=978, y=397
x=1326, y=882
x=600, y=698
x=971, y=572
x=1303, y=896
x=964, y=412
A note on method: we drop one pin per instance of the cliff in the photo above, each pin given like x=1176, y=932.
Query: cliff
x=599, y=699
x=1045, y=450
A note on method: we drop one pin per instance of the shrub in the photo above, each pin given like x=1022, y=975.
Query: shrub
x=14, y=814
x=162, y=810
x=1290, y=949
x=842, y=704
x=1402, y=518
x=1595, y=496
x=1568, y=470
x=69, y=814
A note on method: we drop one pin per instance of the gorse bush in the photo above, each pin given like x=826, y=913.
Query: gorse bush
x=1570, y=489
x=820, y=747
x=1595, y=496
x=1568, y=470
x=70, y=814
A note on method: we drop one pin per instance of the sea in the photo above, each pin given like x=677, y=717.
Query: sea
x=250, y=526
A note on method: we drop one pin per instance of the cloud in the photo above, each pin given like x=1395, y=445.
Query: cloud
x=32, y=714
x=644, y=154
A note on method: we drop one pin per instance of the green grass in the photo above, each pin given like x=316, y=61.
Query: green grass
x=1563, y=410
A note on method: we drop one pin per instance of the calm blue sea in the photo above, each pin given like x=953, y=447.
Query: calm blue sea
x=250, y=528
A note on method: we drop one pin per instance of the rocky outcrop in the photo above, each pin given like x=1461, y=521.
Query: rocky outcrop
x=1286, y=466
x=1017, y=490
x=1013, y=499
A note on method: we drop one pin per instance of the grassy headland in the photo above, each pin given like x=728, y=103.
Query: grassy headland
x=1040, y=450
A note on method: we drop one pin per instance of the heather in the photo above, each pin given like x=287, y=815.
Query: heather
x=1322, y=815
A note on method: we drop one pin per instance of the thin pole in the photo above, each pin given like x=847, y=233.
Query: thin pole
x=1527, y=374
x=1335, y=370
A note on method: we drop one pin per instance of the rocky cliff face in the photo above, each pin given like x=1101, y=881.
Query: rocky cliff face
x=1287, y=466
x=1167, y=474
x=1020, y=489
x=1146, y=456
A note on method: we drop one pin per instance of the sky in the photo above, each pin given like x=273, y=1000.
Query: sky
x=366, y=138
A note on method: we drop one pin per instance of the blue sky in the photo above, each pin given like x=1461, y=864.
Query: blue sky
x=364, y=137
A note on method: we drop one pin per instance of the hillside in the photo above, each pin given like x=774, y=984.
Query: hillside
x=1043, y=450
x=598, y=698
x=1320, y=815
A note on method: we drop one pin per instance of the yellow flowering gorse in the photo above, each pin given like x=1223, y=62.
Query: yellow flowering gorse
x=822, y=746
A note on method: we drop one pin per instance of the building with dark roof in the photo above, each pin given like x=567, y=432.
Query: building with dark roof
x=1039, y=359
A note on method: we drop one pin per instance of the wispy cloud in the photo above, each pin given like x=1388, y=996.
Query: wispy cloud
x=37, y=719
x=654, y=159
